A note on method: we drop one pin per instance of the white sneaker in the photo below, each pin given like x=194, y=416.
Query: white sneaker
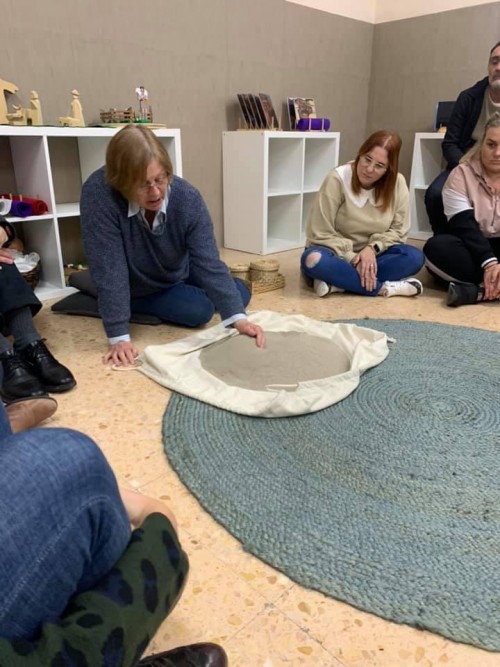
x=410, y=287
x=322, y=289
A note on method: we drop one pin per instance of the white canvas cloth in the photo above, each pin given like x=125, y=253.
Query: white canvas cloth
x=306, y=365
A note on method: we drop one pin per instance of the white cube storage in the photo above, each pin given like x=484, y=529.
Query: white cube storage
x=270, y=181
x=427, y=164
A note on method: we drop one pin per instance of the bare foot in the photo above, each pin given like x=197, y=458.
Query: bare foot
x=139, y=506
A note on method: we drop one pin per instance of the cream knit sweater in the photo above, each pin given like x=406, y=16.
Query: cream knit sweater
x=346, y=223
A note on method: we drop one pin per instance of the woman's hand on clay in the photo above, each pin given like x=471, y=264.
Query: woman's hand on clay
x=123, y=353
x=253, y=330
x=365, y=264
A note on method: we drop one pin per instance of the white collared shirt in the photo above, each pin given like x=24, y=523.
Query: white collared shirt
x=359, y=200
x=160, y=217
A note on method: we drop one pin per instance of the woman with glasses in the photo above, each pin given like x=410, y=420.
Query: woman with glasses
x=150, y=246
x=358, y=224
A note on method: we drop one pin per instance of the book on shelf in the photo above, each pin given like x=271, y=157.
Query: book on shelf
x=260, y=111
x=270, y=113
x=291, y=113
x=300, y=107
x=252, y=110
x=244, y=110
x=305, y=107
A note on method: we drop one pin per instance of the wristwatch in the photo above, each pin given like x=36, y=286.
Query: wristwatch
x=376, y=248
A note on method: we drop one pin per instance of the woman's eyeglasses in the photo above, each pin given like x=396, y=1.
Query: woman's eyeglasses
x=158, y=182
x=377, y=166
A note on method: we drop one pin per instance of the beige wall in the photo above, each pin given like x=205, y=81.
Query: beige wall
x=193, y=56
x=420, y=61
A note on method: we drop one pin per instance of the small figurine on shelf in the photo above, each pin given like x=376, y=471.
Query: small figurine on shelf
x=17, y=117
x=35, y=111
x=142, y=96
x=31, y=116
x=76, y=118
x=22, y=116
x=5, y=87
x=117, y=117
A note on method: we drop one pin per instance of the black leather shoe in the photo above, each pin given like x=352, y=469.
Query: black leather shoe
x=53, y=376
x=19, y=381
x=196, y=655
x=462, y=294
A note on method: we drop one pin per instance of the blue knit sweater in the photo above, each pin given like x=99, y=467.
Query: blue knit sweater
x=126, y=259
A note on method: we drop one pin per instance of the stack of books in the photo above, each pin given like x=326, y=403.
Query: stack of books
x=258, y=111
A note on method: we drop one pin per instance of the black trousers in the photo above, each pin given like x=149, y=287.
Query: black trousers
x=449, y=255
x=434, y=204
x=15, y=291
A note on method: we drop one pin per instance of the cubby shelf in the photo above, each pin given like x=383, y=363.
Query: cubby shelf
x=427, y=163
x=270, y=181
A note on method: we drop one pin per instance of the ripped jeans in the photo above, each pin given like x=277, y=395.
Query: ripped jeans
x=396, y=263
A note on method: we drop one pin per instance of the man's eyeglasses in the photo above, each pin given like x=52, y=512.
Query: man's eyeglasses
x=377, y=166
x=158, y=182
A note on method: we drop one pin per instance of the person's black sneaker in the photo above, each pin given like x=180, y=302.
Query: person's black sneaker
x=19, y=381
x=196, y=655
x=53, y=376
x=462, y=294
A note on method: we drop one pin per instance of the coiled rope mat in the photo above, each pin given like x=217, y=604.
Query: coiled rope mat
x=388, y=500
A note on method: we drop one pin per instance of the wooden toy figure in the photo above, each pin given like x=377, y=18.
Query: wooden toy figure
x=76, y=118
x=5, y=87
x=17, y=117
x=142, y=96
x=35, y=111
x=22, y=116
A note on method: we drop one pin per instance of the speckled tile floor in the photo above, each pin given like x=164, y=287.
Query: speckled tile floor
x=261, y=617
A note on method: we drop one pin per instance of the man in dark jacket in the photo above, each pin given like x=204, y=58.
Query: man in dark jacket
x=472, y=108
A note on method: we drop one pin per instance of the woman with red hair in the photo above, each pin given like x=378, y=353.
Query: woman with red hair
x=358, y=224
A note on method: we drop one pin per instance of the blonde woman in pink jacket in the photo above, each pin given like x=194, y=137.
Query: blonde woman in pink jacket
x=468, y=255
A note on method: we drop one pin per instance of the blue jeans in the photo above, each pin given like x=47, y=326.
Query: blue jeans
x=397, y=262
x=183, y=304
x=62, y=523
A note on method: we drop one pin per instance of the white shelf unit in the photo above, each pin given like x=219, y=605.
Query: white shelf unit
x=427, y=163
x=270, y=181
x=52, y=163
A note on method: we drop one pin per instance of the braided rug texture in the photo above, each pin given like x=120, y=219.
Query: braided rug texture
x=388, y=500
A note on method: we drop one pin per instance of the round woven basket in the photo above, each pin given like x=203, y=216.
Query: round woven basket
x=264, y=270
x=32, y=277
x=240, y=271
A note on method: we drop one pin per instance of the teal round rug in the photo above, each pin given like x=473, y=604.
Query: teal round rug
x=388, y=500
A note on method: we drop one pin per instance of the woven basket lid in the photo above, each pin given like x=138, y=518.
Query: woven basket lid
x=265, y=265
x=239, y=267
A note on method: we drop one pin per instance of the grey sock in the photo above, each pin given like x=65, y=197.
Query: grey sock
x=21, y=326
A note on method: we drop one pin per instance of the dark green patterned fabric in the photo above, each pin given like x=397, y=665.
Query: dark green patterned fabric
x=111, y=625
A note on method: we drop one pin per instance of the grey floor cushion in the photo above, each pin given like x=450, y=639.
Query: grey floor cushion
x=84, y=302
